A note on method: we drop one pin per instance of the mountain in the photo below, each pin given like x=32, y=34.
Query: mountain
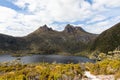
x=10, y=43
x=45, y=40
x=108, y=40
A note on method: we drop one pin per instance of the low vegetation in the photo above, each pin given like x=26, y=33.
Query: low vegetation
x=15, y=70
x=42, y=71
x=106, y=63
x=109, y=65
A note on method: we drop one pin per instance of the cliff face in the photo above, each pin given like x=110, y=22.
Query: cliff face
x=72, y=39
x=71, y=29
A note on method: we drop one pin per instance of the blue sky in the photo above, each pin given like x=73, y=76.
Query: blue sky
x=90, y=1
x=8, y=4
x=20, y=17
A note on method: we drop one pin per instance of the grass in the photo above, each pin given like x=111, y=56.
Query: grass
x=42, y=71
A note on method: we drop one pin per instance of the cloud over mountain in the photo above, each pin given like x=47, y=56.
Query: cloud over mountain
x=94, y=15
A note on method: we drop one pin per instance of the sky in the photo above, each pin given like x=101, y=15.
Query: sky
x=21, y=17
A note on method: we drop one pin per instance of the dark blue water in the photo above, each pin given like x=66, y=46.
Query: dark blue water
x=45, y=58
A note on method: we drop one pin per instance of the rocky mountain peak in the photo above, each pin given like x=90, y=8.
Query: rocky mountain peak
x=70, y=28
x=41, y=29
x=45, y=28
x=79, y=29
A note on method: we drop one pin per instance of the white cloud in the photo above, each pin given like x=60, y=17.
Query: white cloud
x=102, y=4
x=98, y=27
x=42, y=12
x=102, y=26
x=96, y=18
x=58, y=10
x=12, y=23
x=6, y=14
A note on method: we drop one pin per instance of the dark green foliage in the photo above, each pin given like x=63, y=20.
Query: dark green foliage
x=108, y=40
x=74, y=47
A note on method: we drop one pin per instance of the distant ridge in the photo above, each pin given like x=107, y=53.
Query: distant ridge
x=45, y=40
x=73, y=39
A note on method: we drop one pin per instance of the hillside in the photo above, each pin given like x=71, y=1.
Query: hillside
x=108, y=40
x=72, y=39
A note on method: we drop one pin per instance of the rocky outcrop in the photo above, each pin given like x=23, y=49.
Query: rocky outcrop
x=45, y=28
x=69, y=29
x=72, y=29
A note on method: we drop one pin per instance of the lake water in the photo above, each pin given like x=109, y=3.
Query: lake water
x=45, y=58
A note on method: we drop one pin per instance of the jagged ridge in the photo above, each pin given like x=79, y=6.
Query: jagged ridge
x=46, y=40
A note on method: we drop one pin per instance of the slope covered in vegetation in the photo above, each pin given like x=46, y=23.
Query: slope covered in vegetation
x=108, y=40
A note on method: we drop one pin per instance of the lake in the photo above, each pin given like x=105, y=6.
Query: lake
x=45, y=58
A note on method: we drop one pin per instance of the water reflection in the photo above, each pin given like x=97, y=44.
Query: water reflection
x=46, y=58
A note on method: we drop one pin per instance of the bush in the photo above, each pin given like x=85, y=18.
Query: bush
x=105, y=66
x=42, y=71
